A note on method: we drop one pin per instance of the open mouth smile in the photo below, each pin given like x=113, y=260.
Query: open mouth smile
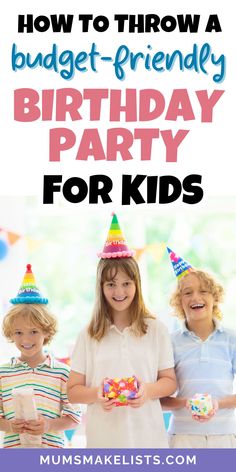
x=119, y=299
x=197, y=306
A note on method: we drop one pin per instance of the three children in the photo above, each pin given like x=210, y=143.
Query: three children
x=124, y=339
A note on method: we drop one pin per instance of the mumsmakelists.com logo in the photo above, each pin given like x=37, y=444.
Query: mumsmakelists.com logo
x=116, y=459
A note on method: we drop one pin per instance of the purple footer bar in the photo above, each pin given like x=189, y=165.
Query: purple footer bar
x=161, y=460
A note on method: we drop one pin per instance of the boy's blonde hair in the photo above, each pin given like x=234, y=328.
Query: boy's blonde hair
x=102, y=318
x=35, y=314
x=209, y=282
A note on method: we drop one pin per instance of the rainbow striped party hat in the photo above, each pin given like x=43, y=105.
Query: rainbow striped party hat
x=180, y=266
x=115, y=245
x=29, y=292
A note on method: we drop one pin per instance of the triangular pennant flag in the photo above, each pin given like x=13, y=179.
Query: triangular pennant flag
x=12, y=237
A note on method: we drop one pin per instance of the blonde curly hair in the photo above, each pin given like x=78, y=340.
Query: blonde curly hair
x=212, y=286
x=35, y=314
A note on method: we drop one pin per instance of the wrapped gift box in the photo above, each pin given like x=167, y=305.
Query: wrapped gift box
x=201, y=404
x=25, y=408
x=121, y=389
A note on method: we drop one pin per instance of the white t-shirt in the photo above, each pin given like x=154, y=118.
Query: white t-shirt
x=122, y=354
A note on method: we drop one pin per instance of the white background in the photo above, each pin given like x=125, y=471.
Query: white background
x=207, y=150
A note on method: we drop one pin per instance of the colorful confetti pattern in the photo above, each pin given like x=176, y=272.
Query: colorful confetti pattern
x=201, y=404
x=122, y=389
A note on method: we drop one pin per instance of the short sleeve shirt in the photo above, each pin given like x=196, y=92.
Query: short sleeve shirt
x=48, y=381
x=204, y=367
x=122, y=354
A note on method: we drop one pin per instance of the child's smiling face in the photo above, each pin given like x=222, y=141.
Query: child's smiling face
x=29, y=339
x=119, y=292
x=196, y=299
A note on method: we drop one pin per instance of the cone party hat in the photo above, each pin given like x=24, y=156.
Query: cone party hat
x=180, y=266
x=115, y=245
x=29, y=292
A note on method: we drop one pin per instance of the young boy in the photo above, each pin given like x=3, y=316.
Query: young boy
x=30, y=326
x=205, y=362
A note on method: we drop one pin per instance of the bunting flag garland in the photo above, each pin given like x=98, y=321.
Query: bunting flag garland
x=156, y=250
x=33, y=244
x=9, y=238
x=139, y=252
x=12, y=237
x=115, y=239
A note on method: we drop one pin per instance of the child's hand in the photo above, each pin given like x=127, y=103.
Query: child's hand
x=17, y=426
x=105, y=402
x=140, y=398
x=204, y=419
x=37, y=427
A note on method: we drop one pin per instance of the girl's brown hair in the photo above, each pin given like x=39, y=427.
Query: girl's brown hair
x=102, y=317
x=208, y=282
x=35, y=314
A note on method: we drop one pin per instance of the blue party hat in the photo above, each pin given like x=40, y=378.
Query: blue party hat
x=180, y=266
